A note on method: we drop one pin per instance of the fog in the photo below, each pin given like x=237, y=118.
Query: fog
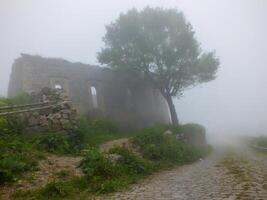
x=234, y=103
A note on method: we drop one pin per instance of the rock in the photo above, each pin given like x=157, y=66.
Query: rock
x=32, y=121
x=65, y=116
x=180, y=136
x=168, y=132
x=65, y=123
x=114, y=158
x=56, y=124
x=35, y=114
x=43, y=121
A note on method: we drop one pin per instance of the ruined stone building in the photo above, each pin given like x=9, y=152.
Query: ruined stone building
x=96, y=91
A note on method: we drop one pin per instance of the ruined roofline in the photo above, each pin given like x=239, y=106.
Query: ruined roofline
x=38, y=58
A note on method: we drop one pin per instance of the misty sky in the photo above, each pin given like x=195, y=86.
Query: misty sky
x=236, y=102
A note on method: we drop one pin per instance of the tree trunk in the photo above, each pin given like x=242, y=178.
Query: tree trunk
x=174, y=117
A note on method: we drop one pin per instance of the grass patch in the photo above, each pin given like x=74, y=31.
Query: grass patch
x=104, y=175
x=156, y=146
x=17, y=156
x=99, y=131
x=64, y=142
x=156, y=151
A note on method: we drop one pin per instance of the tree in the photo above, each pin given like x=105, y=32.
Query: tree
x=161, y=45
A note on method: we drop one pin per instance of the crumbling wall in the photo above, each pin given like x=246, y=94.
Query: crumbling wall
x=129, y=106
x=50, y=111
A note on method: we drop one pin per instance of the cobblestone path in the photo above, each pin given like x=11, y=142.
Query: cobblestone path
x=223, y=175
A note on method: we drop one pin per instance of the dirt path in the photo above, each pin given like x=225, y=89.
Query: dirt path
x=235, y=174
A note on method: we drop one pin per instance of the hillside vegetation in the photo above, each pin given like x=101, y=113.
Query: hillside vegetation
x=152, y=149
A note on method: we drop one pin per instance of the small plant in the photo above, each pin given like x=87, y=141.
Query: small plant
x=17, y=156
x=193, y=128
x=132, y=163
x=96, y=164
x=98, y=131
x=262, y=141
x=70, y=142
x=52, y=142
x=53, y=190
x=156, y=146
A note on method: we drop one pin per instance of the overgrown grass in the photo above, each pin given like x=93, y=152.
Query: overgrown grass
x=98, y=131
x=17, y=156
x=72, y=189
x=104, y=175
x=166, y=149
x=261, y=141
x=65, y=142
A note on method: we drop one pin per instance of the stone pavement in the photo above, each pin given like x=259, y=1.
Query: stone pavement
x=223, y=175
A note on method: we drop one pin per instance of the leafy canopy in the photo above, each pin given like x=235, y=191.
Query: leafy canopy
x=161, y=45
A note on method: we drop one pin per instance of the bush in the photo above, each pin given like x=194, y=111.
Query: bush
x=261, y=141
x=156, y=146
x=192, y=128
x=3, y=102
x=20, y=99
x=95, y=164
x=132, y=163
x=53, y=190
x=52, y=142
x=97, y=131
x=70, y=142
x=104, y=175
x=16, y=157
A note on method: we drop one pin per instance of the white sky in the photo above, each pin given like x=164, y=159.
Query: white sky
x=236, y=102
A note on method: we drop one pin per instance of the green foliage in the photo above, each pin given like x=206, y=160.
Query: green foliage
x=95, y=164
x=156, y=146
x=159, y=45
x=192, y=128
x=17, y=156
x=104, y=175
x=261, y=141
x=52, y=142
x=10, y=124
x=20, y=99
x=98, y=131
x=131, y=163
x=4, y=126
x=3, y=102
x=59, y=142
x=53, y=191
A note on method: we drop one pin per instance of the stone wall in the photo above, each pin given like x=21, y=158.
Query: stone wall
x=53, y=112
x=94, y=91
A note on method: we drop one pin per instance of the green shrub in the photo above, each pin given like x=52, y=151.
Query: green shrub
x=9, y=125
x=98, y=131
x=20, y=99
x=3, y=102
x=16, y=157
x=52, y=190
x=156, y=146
x=52, y=142
x=104, y=175
x=193, y=128
x=70, y=142
x=96, y=164
x=262, y=141
x=131, y=163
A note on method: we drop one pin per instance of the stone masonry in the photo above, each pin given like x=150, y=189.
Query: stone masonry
x=94, y=91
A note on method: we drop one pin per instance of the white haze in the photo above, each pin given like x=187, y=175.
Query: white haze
x=235, y=103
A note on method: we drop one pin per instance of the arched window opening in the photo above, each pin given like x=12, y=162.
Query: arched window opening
x=58, y=86
x=94, y=96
